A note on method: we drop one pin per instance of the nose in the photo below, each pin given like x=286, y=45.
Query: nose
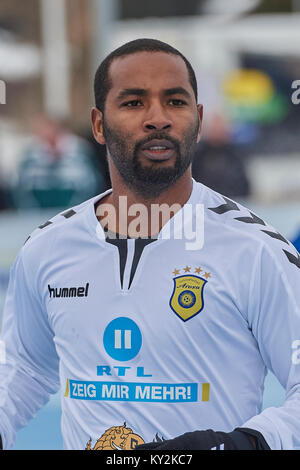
x=157, y=119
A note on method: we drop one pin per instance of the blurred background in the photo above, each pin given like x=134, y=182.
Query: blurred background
x=246, y=57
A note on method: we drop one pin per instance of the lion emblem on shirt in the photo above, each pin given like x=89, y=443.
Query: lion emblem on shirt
x=116, y=438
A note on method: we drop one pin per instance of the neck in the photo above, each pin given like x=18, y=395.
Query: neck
x=127, y=213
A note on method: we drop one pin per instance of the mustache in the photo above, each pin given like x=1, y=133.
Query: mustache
x=157, y=136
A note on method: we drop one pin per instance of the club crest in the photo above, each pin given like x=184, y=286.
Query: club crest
x=187, y=297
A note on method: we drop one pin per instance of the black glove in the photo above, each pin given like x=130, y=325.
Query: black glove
x=211, y=440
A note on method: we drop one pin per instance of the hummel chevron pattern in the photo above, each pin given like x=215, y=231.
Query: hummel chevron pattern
x=254, y=219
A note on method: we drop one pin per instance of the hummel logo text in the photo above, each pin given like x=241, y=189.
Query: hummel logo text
x=69, y=291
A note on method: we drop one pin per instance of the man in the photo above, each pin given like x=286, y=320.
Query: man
x=159, y=325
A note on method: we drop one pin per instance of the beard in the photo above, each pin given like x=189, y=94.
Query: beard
x=151, y=180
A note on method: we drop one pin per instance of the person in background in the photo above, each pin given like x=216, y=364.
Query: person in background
x=3, y=197
x=217, y=164
x=99, y=158
x=57, y=169
x=5, y=201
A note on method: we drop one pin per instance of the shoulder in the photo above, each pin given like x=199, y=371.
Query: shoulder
x=60, y=230
x=237, y=222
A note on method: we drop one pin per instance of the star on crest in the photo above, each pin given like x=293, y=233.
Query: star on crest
x=188, y=269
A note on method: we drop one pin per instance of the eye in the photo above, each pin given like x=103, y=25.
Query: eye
x=132, y=104
x=177, y=102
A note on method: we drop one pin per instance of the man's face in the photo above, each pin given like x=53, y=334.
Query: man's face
x=151, y=123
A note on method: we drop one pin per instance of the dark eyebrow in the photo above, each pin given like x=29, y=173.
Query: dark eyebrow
x=141, y=92
x=177, y=91
x=130, y=92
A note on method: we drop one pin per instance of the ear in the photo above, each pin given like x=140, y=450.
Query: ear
x=200, y=114
x=97, y=125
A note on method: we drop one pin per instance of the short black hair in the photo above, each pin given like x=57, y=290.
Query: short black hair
x=102, y=82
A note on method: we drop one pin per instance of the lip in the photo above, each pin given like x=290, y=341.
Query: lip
x=160, y=154
x=158, y=143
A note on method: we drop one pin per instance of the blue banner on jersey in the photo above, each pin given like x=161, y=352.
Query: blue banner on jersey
x=129, y=391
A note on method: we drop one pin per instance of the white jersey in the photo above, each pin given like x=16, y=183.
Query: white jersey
x=151, y=339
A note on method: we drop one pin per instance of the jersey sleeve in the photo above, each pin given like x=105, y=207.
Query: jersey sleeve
x=29, y=373
x=274, y=317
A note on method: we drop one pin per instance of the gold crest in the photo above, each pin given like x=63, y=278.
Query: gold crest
x=187, y=297
x=116, y=438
